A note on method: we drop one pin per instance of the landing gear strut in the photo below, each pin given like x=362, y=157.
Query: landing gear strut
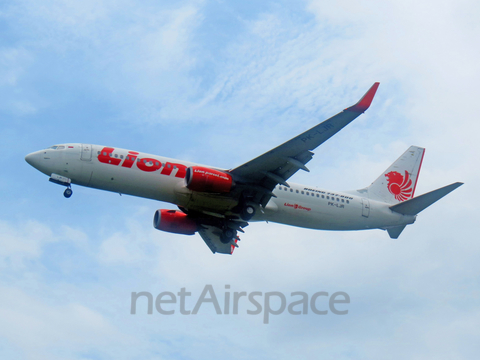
x=68, y=192
x=64, y=181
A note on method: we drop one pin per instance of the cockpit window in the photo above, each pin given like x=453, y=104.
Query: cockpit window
x=53, y=147
x=57, y=147
x=60, y=147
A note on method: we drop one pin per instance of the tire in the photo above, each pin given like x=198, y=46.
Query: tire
x=67, y=193
x=227, y=235
x=248, y=212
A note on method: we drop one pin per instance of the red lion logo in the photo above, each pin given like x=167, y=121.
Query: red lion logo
x=399, y=186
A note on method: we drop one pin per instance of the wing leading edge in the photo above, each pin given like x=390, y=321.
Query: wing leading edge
x=279, y=164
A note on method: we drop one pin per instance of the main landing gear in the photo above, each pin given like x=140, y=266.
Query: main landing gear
x=228, y=235
x=247, y=212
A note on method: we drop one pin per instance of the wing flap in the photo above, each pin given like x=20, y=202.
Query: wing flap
x=211, y=236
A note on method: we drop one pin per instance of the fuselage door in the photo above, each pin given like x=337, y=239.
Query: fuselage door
x=86, y=154
x=365, y=207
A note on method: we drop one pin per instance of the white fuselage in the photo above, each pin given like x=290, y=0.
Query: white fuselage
x=160, y=178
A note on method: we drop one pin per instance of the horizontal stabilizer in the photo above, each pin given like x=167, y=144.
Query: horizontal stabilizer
x=395, y=232
x=419, y=203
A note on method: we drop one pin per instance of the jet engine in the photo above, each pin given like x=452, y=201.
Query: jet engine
x=174, y=221
x=208, y=180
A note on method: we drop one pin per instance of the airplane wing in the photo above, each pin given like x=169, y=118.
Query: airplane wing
x=256, y=179
x=211, y=236
x=279, y=164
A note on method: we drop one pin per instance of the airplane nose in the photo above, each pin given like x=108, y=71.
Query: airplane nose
x=32, y=159
x=42, y=161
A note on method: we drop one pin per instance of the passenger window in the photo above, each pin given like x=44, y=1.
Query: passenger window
x=156, y=164
x=291, y=190
x=279, y=188
x=116, y=155
x=285, y=189
x=121, y=156
x=323, y=196
x=348, y=202
x=328, y=197
x=303, y=192
x=318, y=195
x=343, y=200
x=313, y=194
x=308, y=193
x=98, y=152
x=297, y=191
x=104, y=153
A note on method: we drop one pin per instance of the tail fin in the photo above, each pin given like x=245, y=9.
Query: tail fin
x=398, y=182
x=415, y=205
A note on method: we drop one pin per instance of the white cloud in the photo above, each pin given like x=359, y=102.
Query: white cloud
x=20, y=243
x=128, y=247
x=12, y=61
x=44, y=330
x=14, y=64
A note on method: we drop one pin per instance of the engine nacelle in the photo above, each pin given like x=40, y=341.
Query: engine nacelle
x=208, y=180
x=174, y=221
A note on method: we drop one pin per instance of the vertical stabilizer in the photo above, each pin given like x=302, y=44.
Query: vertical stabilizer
x=398, y=182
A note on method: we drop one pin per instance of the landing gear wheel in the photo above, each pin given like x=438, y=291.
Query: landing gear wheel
x=248, y=212
x=67, y=193
x=227, y=235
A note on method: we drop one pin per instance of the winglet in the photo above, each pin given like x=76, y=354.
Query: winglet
x=365, y=101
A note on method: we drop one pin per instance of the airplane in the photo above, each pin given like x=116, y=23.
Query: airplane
x=219, y=203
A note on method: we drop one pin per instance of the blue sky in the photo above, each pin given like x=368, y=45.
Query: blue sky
x=219, y=83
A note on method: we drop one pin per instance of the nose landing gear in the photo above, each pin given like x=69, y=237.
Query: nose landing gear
x=68, y=192
x=64, y=181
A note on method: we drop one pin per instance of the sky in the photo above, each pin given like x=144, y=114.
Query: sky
x=221, y=82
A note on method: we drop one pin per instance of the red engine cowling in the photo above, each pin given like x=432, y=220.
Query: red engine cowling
x=174, y=221
x=208, y=180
